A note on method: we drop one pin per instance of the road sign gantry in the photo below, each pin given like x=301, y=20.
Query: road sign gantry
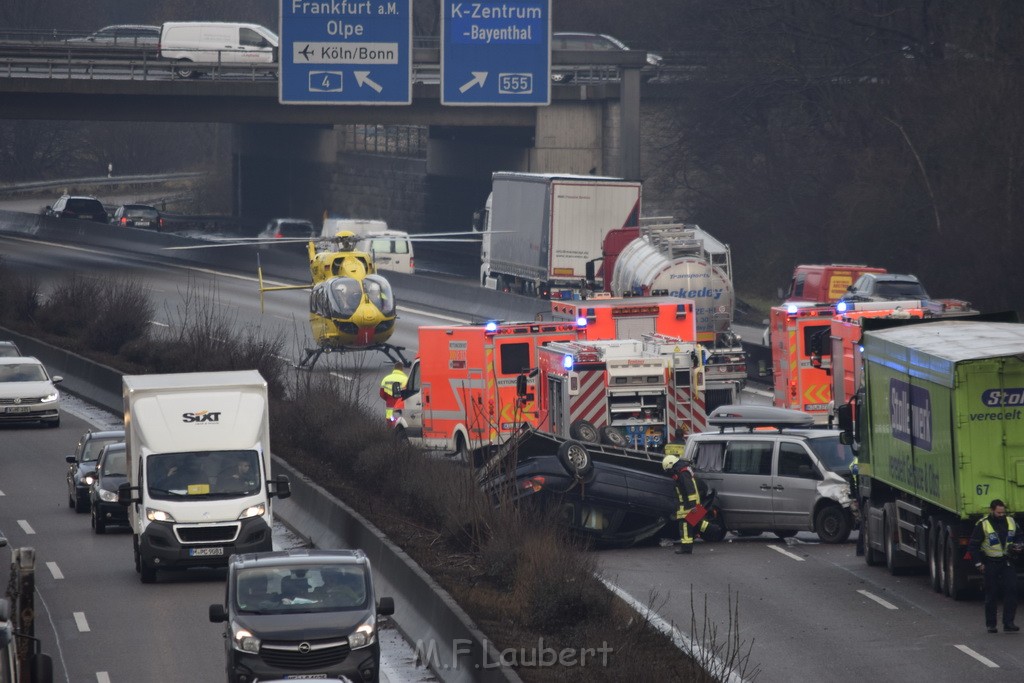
x=346, y=52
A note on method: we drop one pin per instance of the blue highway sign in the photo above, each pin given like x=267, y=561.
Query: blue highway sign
x=496, y=52
x=346, y=52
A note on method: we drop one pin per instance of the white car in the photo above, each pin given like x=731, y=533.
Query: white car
x=27, y=392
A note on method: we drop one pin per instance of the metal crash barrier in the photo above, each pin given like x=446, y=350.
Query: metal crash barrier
x=17, y=623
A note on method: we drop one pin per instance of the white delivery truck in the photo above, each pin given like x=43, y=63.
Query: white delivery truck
x=540, y=230
x=199, y=487
x=189, y=43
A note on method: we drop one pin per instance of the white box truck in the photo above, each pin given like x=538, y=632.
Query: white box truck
x=199, y=487
x=540, y=230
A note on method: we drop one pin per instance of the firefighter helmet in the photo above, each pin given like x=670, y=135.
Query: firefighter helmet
x=668, y=462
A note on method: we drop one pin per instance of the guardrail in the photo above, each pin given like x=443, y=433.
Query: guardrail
x=98, y=181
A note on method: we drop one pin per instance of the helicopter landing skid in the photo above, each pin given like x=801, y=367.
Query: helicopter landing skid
x=313, y=355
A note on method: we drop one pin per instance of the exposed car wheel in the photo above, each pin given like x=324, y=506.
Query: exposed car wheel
x=613, y=436
x=147, y=574
x=461, y=449
x=584, y=431
x=935, y=559
x=872, y=557
x=71, y=501
x=833, y=524
x=99, y=525
x=81, y=505
x=138, y=556
x=574, y=457
x=184, y=69
x=401, y=435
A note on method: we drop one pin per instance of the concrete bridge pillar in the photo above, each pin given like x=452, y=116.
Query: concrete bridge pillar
x=281, y=170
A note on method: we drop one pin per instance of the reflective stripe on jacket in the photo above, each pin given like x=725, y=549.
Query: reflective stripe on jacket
x=991, y=546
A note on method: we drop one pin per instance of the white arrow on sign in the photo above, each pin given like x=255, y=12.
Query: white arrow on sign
x=478, y=79
x=363, y=78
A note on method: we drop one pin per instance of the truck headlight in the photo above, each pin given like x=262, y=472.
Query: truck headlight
x=365, y=634
x=50, y=398
x=107, y=496
x=243, y=640
x=154, y=515
x=253, y=511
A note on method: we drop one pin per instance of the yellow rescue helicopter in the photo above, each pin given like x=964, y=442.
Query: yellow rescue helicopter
x=351, y=306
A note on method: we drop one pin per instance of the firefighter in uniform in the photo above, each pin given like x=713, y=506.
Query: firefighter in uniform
x=392, y=399
x=689, y=500
x=993, y=541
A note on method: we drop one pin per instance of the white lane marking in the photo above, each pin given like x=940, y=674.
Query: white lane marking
x=53, y=629
x=55, y=570
x=158, y=323
x=1, y=493
x=715, y=665
x=984, y=660
x=786, y=553
x=25, y=526
x=436, y=315
x=102, y=677
x=880, y=601
x=83, y=625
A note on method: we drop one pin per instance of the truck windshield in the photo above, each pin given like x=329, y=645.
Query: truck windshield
x=301, y=588
x=203, y=474
x=835, y=456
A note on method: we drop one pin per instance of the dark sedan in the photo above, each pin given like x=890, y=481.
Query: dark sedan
x=611, y=496
x=82, y=466
x=111, y=472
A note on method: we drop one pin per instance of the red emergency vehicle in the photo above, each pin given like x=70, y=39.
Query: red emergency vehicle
x=630, y=318
x=462, y=395
x=801, y=357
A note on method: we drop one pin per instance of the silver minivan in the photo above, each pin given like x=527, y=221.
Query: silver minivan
x=773, y=473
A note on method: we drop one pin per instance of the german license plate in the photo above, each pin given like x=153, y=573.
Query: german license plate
x=205, y=552
x=142, y=224
x=16, y=409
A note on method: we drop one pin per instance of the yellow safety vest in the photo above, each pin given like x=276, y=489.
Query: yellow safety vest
x=391, y=378
x=991, y=545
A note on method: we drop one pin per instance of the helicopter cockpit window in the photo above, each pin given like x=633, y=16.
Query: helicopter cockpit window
x=378, y=291
x=345, y=296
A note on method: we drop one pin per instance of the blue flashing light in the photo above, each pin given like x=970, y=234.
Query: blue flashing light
x=491, y=327
x=791, y=309
x=581, y=321
x=567, y=362
x=861, y=349
x=841, y=307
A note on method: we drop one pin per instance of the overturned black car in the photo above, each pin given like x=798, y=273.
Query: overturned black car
x=611, y=496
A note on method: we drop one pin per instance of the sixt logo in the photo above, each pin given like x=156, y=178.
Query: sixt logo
x=201, y=416
x=1003, y=397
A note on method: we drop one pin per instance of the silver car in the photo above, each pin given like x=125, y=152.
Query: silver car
x=773, y=474
x=27, y=392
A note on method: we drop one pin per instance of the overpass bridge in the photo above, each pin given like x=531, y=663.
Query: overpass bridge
x=591, y=126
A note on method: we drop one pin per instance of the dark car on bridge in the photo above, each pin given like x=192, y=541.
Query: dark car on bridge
x=614, y=497
x=111, y=472
x=83, y=208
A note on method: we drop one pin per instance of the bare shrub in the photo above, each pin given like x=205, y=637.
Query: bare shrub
x=19, y=295
x=121, y=315
x=70, y=307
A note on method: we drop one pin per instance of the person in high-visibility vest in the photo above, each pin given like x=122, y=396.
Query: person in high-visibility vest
x=677, y=446
x=993, y=540
x=392, y=398
x=691, y=515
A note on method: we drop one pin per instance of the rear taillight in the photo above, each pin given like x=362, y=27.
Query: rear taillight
x=124, y=220
x=160, y=221
x=279, y=235
x=412, y=262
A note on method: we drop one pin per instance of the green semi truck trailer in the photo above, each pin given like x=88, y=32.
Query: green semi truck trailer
x=939, y=430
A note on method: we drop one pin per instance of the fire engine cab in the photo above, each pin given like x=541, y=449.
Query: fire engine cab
x=473, y=385
x=801, y=357
x=630, y=318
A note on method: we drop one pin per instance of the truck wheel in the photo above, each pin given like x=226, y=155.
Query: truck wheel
x=936, y=530
x=574, y=457
x=956, y=577
x=872, y=557
x=583, y=430
x=613, y=436
x=833, y=524
x=891, y=549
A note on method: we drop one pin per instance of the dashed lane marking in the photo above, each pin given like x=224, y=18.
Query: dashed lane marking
x=786, y=553
x=80, y=621
x=981, y=658
x=55, y=570
x=26, y=527
x=102, y=677
x=884, y=603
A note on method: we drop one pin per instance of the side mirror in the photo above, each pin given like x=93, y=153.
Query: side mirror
x=218, y=614
x=3, y=544
x=396, y=388
x=282, y=487
x=124, y=494
x=57, y=379
x=70, y=459
x=385, y=606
